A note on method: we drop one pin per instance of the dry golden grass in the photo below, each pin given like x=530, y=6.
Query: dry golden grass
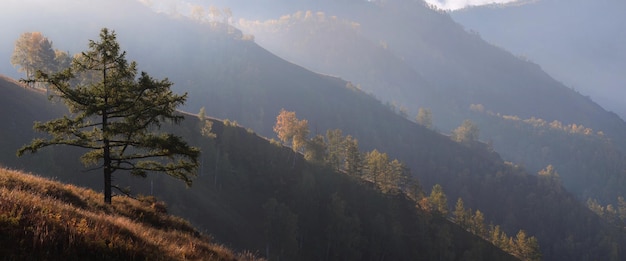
x=42, y=219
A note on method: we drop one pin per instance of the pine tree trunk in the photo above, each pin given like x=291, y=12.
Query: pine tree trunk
x=107, y=147
x=107, y=184
x=107, y=159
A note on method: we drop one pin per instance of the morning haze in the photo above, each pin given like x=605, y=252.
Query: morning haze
x=326, y=130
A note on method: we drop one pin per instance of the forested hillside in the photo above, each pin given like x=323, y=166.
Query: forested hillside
x=259, y=195
x=589, y=164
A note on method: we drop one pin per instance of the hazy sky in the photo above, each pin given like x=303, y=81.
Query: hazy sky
x=459, y=4
x=175, y=7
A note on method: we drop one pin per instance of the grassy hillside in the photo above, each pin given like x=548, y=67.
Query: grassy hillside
x=41, y=219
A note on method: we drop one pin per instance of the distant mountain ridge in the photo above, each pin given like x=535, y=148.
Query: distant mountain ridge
x=459, y=68
x=436, y=64
x=578, y=42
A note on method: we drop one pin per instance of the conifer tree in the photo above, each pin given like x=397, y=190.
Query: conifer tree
x=116, y=117
x=353, y=159
x=478, y=224
x=467, y=132
x=376, y=166
x=621, y=208
x=460, y=214
x=438, y=200
x=425, y=118
x=315, y=149
x=336, y=148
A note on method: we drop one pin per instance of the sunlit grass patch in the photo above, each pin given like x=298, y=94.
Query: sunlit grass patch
x=43, y=219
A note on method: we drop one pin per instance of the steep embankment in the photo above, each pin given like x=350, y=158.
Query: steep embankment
x=42, y=219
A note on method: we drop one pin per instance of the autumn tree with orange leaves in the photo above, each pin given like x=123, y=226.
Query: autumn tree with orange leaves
x=290, y=129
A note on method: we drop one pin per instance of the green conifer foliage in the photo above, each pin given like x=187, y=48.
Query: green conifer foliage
x=116, y=116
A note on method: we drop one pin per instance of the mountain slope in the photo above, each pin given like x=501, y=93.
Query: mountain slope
x=436, y=64
x=588, y=163
x=253, y=194
x=472, y=174
x=42, y=219
x=463, y=171
x=330, y=45
x=578, y=42
x=462, y=68
x=18, y=130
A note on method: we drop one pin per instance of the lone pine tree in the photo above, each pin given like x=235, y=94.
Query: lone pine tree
x=116, y=116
